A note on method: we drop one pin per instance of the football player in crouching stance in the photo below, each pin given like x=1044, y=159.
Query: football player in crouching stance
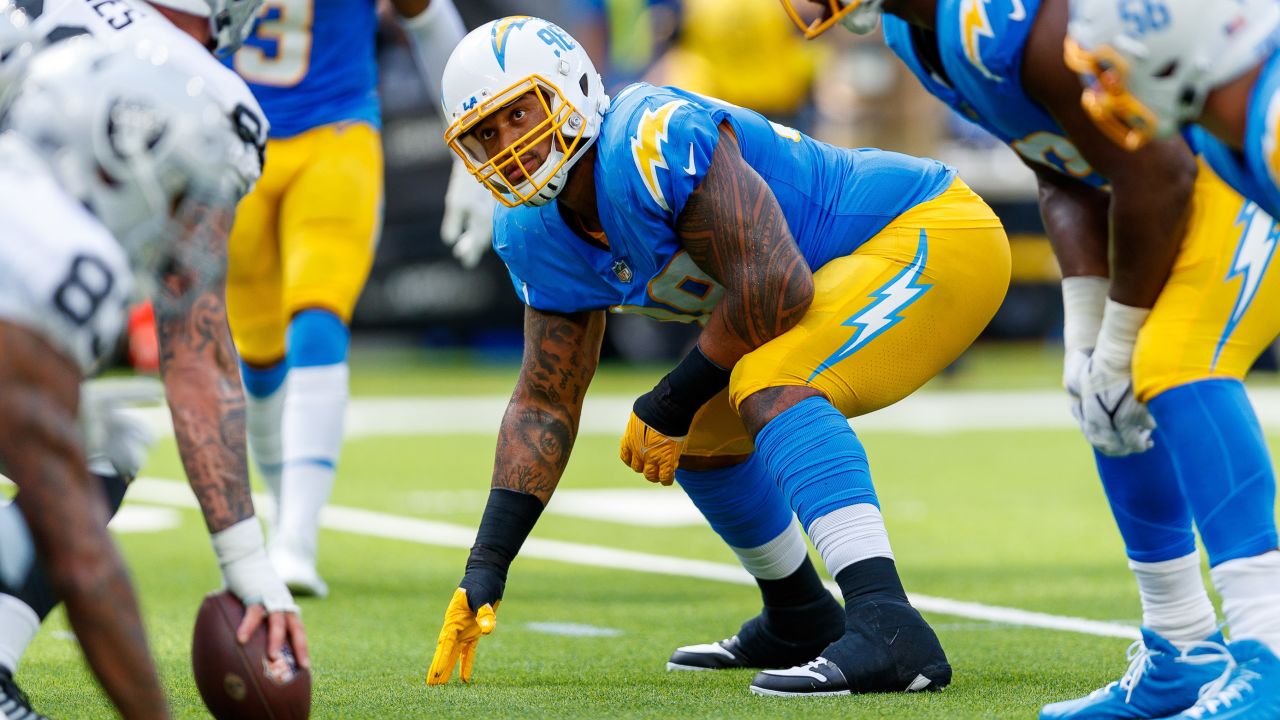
x=1168, y=289
x=200, y=375
x=1149, y=70
x=119, y=166
x=829, y=283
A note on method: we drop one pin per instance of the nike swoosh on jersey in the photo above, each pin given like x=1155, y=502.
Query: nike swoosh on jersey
x=692, y=167
x=1019, y=12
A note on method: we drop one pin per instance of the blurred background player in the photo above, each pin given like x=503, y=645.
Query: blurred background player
x=1168, y=325
x=1150, y=70
x=139, y=165
x=681, y=207
x=304, y=241
x=201, y=378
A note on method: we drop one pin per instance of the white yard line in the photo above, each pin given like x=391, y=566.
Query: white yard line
x=924, y=412
x=369, y=523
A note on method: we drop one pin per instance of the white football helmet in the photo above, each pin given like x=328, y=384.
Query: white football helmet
x=146, y=147
x=501, y=61
x=1148, y=67
x=859, y=16
x=230, y=21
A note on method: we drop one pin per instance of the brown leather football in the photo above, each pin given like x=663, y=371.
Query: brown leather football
x=237, y=681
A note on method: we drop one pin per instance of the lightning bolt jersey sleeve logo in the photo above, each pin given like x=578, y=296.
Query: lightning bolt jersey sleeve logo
x=981, y=45
x=655, y=147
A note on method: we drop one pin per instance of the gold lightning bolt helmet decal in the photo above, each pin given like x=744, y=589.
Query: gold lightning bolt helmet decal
x=646, y=148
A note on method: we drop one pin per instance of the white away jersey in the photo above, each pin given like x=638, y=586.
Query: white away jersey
x=62, y=274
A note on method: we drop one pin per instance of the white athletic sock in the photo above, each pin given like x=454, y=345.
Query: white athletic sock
x=314, y=408
x=1174, y=601
x=1250, y=589
x=777, y=558
x=849, y=534
x=262, y=425
x=18, y=626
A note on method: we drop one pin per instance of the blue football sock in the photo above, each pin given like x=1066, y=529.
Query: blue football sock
x=1147, y=503
x=1224, y=466
x=816, y=459
x=317, y=337
x=742, y=503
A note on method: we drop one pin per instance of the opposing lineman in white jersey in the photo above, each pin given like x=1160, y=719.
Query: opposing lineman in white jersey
x=135, y=162
x=199, y=372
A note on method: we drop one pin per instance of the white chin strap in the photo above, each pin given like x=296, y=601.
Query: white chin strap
x=199, y=8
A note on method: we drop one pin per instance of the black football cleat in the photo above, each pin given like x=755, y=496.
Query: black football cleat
x=886, y=647
x=13, y=702
x=759, y=645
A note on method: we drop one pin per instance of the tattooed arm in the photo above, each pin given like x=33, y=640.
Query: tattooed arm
x=537, y=433
x=541, y=422
x=202, y=381
x=734, y=230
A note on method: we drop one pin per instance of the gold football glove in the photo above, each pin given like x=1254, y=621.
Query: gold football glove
x=651, y=453
x=462, y=630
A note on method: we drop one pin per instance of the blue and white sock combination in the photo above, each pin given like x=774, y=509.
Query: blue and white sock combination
x=821, y=467
x=1228, y=480
x=315, y=404
x=746, y=508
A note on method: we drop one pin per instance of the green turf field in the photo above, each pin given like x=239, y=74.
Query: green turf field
x=1007, y=518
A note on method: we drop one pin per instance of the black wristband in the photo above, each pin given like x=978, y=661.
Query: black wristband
x=509, y=517
x=670, y=406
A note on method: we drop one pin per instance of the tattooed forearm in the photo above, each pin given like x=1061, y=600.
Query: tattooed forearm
x=201, y=377
x=539, y=427
x=734, y=229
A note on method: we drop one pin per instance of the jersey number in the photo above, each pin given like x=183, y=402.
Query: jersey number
x=689, y=293
x=1044, y=148
x=279, y=50
x=81, y=292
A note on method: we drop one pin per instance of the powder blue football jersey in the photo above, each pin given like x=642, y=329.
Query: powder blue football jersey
x=655, y=146
x=312, y=63
x=981, y=43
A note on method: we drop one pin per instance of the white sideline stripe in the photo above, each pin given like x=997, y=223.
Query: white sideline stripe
x=429, y=532
x=929, y=412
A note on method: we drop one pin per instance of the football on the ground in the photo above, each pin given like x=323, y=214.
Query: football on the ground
x=238, y=681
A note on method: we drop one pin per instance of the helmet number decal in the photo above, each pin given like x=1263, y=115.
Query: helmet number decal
x=1143, y=16
x=278, y=53
x=556, y=38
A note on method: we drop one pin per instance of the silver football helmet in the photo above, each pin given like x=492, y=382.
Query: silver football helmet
x=230, y=21
x=145, y=146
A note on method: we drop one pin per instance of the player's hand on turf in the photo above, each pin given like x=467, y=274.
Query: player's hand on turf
x=468, y=216
x=649, y=452
x=457, y=642
x=1113, y=420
